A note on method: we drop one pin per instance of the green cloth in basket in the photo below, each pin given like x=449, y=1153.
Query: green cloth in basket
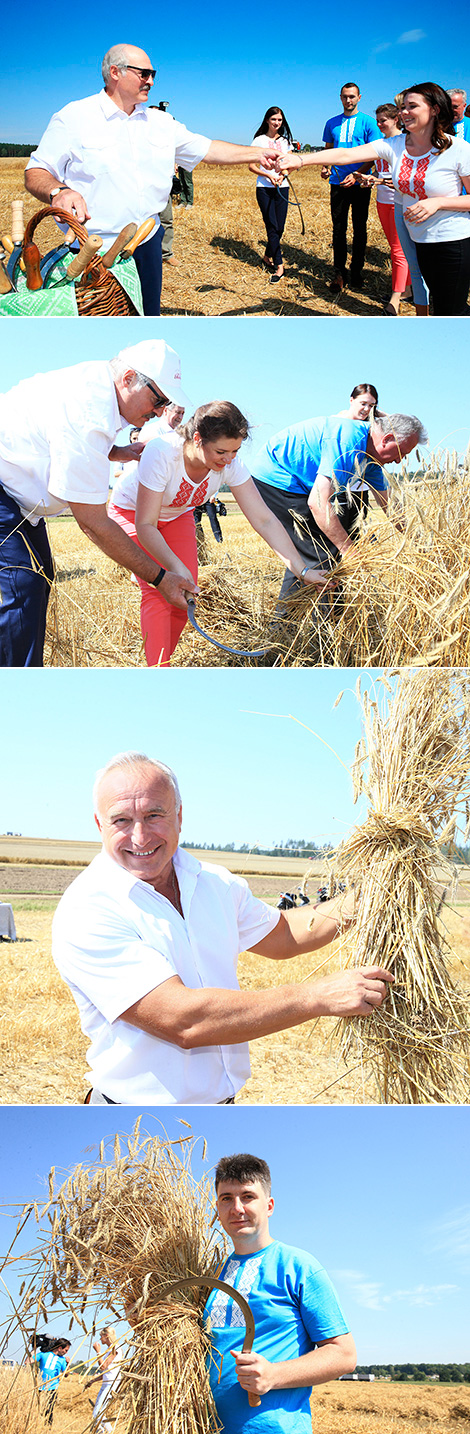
x=57, y=300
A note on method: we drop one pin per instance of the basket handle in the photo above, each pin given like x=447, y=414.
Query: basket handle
x=78, y=229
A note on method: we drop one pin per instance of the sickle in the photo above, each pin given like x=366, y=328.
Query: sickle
x=142, y=233
x=213, y=1284
x=235, y=651
x=123, y=239
x=88, y=250
x=297, y=203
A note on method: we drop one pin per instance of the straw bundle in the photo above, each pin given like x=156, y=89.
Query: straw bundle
x=19, y=1405
x=122, y=1232
x=413, y=764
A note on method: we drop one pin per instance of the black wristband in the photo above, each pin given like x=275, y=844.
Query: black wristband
x=155, y=582
x=57, y=190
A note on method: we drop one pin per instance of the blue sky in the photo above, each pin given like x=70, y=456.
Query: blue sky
x=221, y=69
x=380, y=1196
x=278, y=373
x=243, y=777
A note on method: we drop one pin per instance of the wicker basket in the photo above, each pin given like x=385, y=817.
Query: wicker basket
x=97, y=291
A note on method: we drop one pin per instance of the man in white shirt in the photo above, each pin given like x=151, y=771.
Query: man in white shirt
x=57, y=435
x=148, y=940
x=108, y=159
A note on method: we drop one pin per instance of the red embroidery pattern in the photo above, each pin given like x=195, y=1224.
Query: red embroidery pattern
x=405, y=175
x=420, y=176
x=186, y=491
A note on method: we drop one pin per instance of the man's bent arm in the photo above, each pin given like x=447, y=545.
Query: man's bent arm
x=213, y=1017
x=324, y=513
x=40, y=182
x=93, y=520
x=329, y=1360
x=306, y=928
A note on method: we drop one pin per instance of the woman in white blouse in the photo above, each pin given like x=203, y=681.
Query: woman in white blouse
x=430, y=171
x=155, y=505
x=272, y=190
x=109, y=1360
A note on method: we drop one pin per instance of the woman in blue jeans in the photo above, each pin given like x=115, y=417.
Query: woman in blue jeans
x=272, y=190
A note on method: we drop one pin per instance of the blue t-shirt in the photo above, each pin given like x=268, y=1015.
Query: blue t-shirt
x=462, y=128
x=294, y=1306
x=333, y=447
x=345, y=132
x=51, y=1367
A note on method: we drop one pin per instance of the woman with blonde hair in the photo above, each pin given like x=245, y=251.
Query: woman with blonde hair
x=110, y=1366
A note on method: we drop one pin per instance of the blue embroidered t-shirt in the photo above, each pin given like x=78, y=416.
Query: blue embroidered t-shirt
x=294, y=1306
x=345, y=132
x=334, y=447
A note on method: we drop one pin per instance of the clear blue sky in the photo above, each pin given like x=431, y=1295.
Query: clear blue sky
x=278, y=373
x=221, y=69
x=243, y=777
x=380, y=1196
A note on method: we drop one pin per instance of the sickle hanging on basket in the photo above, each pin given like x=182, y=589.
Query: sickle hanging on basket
x=214, y=1284
x=296, y=202
x=235, y=651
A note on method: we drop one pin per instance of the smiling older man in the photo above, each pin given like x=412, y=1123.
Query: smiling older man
x=148, y=940
x=57, y=433
x=108, y=159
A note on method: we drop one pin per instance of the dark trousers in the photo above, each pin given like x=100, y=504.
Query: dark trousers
x=356, y=201
x=50, y=1405
x=26, y=574
x=446, y=271
x=187, y=186
x=298, y=521
x=273, y=204
x=148, y=258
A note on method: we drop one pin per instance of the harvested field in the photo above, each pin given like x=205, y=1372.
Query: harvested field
x=218, y=247
x=404, y=598
x=43, y=1052
x=378, y=1408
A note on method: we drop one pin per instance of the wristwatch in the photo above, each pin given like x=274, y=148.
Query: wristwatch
x=59, y=189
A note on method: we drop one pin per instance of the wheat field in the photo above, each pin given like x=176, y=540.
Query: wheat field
x=218, y=246
x=43, y=1052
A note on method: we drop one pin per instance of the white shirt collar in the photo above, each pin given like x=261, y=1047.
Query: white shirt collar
x=110, y=109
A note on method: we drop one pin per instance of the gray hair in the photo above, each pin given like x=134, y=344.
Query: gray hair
x=117, y=55
x=119, y=367
x=402, y=425
x=457, y=91
x=134, y=759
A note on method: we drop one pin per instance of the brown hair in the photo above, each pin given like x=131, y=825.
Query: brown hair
x=241, y=1168
x=220, y=419
x=444, y=120
x=390, y=111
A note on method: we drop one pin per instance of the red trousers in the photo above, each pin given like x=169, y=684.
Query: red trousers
x=161, y=623
x=400, y=271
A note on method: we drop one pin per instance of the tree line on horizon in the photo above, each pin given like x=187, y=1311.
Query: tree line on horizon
x=446, y=1373
x=9, y=150
x=292, y=847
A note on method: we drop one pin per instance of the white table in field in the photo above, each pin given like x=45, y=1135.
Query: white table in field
x=7, y=921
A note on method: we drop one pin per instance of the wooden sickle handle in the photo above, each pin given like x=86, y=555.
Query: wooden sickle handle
x=142, y=233
x=123, y=239
x=5, y=282
x=214, y=1284
x=31, y=259
x=87, y=252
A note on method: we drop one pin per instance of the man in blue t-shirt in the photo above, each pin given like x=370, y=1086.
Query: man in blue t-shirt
x=301, y=1336
x=315, y=476
x=349, y=128
x=461, y=120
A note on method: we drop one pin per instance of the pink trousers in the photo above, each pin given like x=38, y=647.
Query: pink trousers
x=400, y=271
x=161, y=623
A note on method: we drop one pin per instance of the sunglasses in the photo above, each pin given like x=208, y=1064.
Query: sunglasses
x=145, y=74
x=160, y=400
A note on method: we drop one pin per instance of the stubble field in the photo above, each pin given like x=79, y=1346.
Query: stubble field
x=219, y=243
x=42, y=1049
x=378, y=1408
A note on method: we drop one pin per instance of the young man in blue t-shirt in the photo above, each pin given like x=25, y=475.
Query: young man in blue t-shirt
x=346, y=193
x=301, y=1335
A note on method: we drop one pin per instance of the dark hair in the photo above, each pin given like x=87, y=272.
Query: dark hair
x=241, y=1168
x=365, y=388
x=350, y=85
x=391, y=111
x=285, y=132
x=49, y=1345
x=216, y=420
x=444, y=120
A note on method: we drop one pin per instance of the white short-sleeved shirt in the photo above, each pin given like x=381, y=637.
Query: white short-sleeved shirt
x=56, y=430
x=281, y=146
x=429, y=176
x=162, y=469
x=122, y=164
x=116, y=939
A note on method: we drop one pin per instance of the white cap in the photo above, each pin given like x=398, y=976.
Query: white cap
x=161, y=364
